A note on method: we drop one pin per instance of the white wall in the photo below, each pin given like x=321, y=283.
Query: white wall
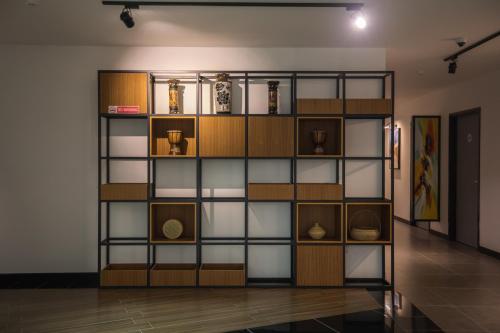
x=480, y=92
x=48, y=137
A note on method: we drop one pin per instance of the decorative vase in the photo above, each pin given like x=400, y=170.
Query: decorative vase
x=365, y=225
x=173, y=96
x=222, y=93
x=316, y=231
x=272, y=96
x=174, y=139
x=319, y=139
x=172, y=229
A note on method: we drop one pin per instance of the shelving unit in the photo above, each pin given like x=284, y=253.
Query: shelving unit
x=248, y=185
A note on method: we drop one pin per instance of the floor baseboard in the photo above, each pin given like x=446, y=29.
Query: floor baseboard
x=489, y=252
x=48, y=280
x=400, y=219
x=439, y=234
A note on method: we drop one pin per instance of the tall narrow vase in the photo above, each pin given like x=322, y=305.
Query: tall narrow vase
x=173, y=96
x=222, y=93
x=272, y=96
x=319, y=139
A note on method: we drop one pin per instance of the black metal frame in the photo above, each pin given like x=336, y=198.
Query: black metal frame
x=413, y=220
x=341, y=78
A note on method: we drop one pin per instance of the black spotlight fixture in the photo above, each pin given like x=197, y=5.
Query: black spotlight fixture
x=452, y=67
x=126, y=17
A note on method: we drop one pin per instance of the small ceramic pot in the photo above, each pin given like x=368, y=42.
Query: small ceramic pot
x=316, y=231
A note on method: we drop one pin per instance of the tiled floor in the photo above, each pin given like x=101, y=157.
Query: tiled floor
x=456, y=286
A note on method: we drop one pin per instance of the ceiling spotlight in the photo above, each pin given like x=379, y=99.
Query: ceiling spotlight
x=359, y=21
x=126, y=17
x=452, y=67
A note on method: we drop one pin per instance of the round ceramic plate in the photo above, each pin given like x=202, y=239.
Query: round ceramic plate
x=172, y=229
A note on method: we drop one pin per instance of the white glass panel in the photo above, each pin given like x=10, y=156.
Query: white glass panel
x=176, y=254
x=135, y=254
x=175, y=178
x=316, y=171
x=363, y=137
x=128, y=171
x=258, y=96
x=269, y=219
x=128, y=219
x=187, y=97
x=363, y=261
x=223, y=178
x=223, y=219
x=223, y=254
x=363, y=179
x=364, y=88
x=316, y=88
x=268, y=171
x=128, y=138
x=269, y=261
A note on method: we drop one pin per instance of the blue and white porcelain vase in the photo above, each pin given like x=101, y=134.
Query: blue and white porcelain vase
x=222, y=93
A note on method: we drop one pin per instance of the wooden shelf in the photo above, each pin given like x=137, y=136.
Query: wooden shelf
x=222, y=136
x=218, y=275
x=333, y=145
x=318, y=191
x=124, y=191
x=176, y=275
x=123, y=89
x=159, y=145
x=124, y=275
x=270, y=136
x=369, y=106
x=328, y=215
x=183, y=211
x=383, y=210
x=268, y=191
x=319, y=106
x=320, y=266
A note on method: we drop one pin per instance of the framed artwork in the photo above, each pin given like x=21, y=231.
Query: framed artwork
x=426, y=168
x=397, y=148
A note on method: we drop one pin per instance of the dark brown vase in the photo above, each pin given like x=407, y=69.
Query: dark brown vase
x=273, y=96
x=319, y=139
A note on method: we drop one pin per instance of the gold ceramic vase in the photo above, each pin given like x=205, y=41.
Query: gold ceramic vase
x=319, y=139
x=316, y=231
x=174, y=139
x=173, y=96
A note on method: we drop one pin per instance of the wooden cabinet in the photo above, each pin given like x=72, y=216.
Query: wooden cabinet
x=380, y=212
x=222, y=136
x=184, y=212
x=173, y=275
x=159, y=145
x=124, y=275
x=328, y=215
x=315, y=191
x=369, y=106
x=123, y=89
x=333, y=126
x=320, y=266
x=270, y=191
x=270, y=136
x=226, y=275
x=124, y=191
x=319, y=106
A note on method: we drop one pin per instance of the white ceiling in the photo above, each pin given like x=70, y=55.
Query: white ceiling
x=414, y=32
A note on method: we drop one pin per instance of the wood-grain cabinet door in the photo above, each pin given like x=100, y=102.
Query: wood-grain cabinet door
x=270, y=136
x=222, y=136
x=319, y=265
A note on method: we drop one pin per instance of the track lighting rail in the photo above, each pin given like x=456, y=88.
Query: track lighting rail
x=454, y=56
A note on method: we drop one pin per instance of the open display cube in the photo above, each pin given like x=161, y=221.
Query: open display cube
x=326, y=216
x=164, y=143
x=319, y=136
x=368, y=222
x=185, y=213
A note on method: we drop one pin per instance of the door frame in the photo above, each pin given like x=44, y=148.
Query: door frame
x=452, y=159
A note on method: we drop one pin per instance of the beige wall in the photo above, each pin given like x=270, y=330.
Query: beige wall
x=481, y=92
x=48, y=137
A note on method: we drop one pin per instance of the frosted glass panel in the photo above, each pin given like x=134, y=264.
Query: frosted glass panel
x=316, y=88
x=128, y=138
x=268, y=171
x=258, y=96
x=269, y=261
x=269, y=219
x=175, y=178
x=363, y=137
x=363, y=179
x=363, y=88
x=176, y=254
x=128, y=219
x=363, y=261
x=237, y=101
x=219, y=254
x=316, y=171
x=187, y=97
x=223, y=219
x=128, y=171
x=127, y=255
x=223, y=178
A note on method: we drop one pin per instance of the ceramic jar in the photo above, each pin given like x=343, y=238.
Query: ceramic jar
x=173, y=96
x=272, y=96
x=316, y=231
x=222, y=93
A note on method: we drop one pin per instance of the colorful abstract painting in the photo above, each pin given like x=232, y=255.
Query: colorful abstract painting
x=426, y=154
x=397, y=147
